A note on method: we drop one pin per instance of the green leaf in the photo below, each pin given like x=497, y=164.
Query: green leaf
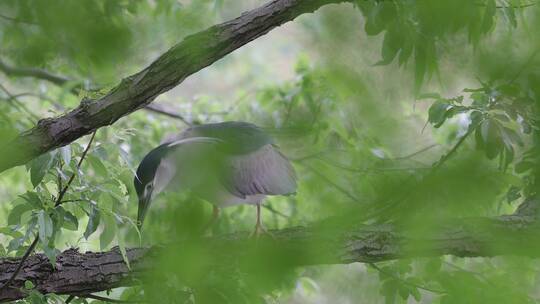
x=98, y=166
x=109, y=231
x=415, y=293
x=391, y=46
x=489, y=15
x=406, y=52
x=419, y=69
x=51, y=254
x=45, y=226
x=513, y=194
x=403, y=292
x=435, y=96
x=10, y=232
x=16, y=213
x=437, y=113
x=491, y=138
x=70, y=221
x=65, y=152
x=29, y=285
x=433, y=266
x=308, y=285
x=93, y=222
x=32, y=198
x=122, y=247
x=39, y=167
x=523, y=166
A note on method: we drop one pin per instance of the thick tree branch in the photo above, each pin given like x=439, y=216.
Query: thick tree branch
x=187, y=57
x=83, y=273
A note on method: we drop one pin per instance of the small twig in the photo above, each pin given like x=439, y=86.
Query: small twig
x=73, y=201
x=447, y=156
x=155, y=109
x=372, y=169
x=435, y=167
x=407, y=282
x=19, y=266
x=416, y=153
x=61, y=81
x=104, y=299
x=14, y=99
x=524, y=66
x=335, y=185
x=276, y=211
x=510, y=6
x=72, y=177
x=17, y=20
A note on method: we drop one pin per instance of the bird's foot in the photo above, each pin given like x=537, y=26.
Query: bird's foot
x=260, y=231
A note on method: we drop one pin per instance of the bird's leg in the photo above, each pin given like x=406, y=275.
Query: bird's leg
x=259, y=228
x=212, y=221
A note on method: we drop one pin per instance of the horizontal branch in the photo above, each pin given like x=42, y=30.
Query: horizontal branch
x=61, y=81
x=187, y=57
x=83, y=273
x=33, y=73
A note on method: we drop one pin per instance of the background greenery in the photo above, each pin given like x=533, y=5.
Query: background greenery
x=405, y=111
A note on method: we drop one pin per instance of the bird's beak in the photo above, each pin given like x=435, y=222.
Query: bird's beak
x=144, y=204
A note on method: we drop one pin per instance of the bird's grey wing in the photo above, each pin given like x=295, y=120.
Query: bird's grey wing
x=265, y=171
x=186, y=163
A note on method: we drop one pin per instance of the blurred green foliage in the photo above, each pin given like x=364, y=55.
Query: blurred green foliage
x=448, y=129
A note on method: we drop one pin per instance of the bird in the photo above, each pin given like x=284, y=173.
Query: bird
x=227, y=164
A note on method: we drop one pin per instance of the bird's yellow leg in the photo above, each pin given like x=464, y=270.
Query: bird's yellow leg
x=259, y=228
x=212, y=221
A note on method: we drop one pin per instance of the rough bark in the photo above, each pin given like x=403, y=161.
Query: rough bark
x=74, y=272
x=187, y=57
x=83, y=273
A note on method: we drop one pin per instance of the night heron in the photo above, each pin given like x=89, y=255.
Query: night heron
x=226, y=164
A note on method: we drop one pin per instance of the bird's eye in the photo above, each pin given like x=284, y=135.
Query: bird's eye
x=148, y=187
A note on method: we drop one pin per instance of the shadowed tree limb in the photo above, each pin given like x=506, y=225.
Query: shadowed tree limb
x=84, y=273
x=194, y=53
x=61, y=81
x=33, y=73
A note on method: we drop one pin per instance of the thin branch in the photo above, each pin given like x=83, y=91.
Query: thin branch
x=415, y=153
x=16, y=20
x=454, y=149
x=104, y=299
x=72, y=177
x=20, y=265
x=14, y=99
x=335, y=185
x=524, y=66
x=159, y=110
x=379, y=209
x=61, y=81
x=32, y=72
x=269, y=208
x=510, y=6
